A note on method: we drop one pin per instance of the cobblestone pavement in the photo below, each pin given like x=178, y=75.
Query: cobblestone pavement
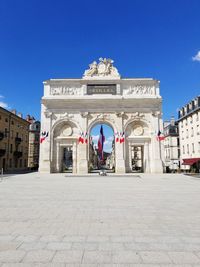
x=112, y=221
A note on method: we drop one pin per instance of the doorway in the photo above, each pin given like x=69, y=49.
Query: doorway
x=101, y=148
x=67, y=159
x=137, y=158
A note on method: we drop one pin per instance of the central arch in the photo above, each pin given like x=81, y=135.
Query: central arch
x=106, y=159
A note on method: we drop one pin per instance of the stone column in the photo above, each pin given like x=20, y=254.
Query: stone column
x=44, y=165
x=74, y=147
x=57, y=156
x=156, y=160
x=82, y=166
x=146, y=157
x=119, y=149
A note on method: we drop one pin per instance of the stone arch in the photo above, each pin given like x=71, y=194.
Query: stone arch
x=137, y=144
x=137, y=127
x=103, y=121
x=111, y=157
x=71, y=122
x=64, y=136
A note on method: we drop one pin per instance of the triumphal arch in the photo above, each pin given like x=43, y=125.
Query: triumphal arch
x=72, y=107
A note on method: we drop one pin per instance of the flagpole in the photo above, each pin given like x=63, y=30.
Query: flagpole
x=159, y=140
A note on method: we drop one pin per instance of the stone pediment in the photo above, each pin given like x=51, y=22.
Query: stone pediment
x=102, y=70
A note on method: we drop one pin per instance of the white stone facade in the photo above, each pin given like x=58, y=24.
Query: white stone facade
x=189, y=132
x=72, y=106
x=171, y=146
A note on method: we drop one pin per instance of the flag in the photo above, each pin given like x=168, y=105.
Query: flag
x=160, y=137
x=117, y=137
x=44, y=135
x=81, y=139
x=121, y=137
x=86, y=140
x=100, y=143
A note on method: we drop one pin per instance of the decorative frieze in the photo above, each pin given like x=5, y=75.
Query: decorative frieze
x=140, y=90
x=64, y=90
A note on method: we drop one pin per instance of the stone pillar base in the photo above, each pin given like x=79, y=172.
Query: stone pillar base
x=44, y=166
x=83, y=167
x=157, y=166
x=120, y=166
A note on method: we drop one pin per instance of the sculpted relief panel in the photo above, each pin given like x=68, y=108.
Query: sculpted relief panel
x=64, y=90
x=104, y=69
x=140, y=90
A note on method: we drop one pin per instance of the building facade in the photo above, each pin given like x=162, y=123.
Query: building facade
x=13, y=141
x=130, y=106
x=34, y=143
x=189, y=132
x=171, y=146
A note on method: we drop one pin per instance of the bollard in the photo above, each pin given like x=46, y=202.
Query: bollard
x=1, y=174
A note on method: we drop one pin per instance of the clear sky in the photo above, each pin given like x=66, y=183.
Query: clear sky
x=108, y=134
x=59, y=38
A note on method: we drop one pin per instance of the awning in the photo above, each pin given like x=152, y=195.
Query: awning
x=190, y=161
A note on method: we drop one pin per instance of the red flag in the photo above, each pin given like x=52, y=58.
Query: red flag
x=122, y=138
x=117, y=137
x=81, y=139
x=44, y=135
x=100, y=143
x=160, y=137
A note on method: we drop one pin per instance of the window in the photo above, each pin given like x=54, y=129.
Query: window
x=192, y=147
x=6, y=132
x=188, y=151
x=12, y=122
x=182, y=135
x=198, y=132
x=10, y=164
x=6, y=119
x=183, y=150
x=20, y=163
x=186, y=133
x=11, y=148
x=192, y=131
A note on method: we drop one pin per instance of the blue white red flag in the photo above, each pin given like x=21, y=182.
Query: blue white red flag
x=160, y=137
x=43, y=136
x=100, y=143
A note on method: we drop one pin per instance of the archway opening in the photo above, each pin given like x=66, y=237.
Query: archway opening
x=102, y=148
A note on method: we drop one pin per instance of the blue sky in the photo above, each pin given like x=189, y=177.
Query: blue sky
x=108, y=133
x=58, y=39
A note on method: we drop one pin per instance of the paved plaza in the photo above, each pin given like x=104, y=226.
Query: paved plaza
x=121, y=221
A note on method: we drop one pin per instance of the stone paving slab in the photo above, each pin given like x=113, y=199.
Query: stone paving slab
x=94, y=221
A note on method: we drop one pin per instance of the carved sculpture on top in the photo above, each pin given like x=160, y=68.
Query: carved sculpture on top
x=102, y=69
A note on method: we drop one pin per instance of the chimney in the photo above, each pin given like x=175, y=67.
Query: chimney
x=19, y=114
x=172, y=121
x=28, y=117
x=14, y=111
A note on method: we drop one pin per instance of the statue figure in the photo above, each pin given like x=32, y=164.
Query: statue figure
x=104, y=68
x=92, y=70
